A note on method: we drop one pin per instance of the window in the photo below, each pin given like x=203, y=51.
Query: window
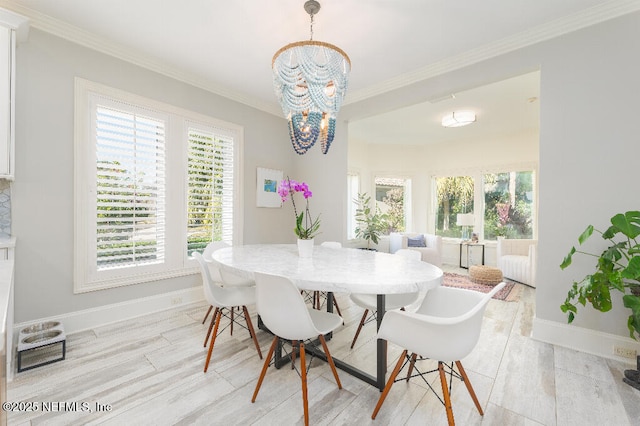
x=393, y=198
x=153, y=183
x=210, y=182
x=130, y=186
x=508, y=205
x=353, y=188
x=503, y=205
x=454, y=195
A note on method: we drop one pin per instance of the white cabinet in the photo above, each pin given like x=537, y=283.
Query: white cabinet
x=6, y=102
x=12, y=27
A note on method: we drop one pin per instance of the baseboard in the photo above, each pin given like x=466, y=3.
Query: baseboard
x=584, y=340
x=74, y=322
x=95, y=317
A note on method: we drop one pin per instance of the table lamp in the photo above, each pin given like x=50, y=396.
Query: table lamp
x=465, y=220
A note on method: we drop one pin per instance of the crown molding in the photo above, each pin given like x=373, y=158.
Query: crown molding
x=549, y=30
x=19, y=23
x=101, y=44
x=582, y=19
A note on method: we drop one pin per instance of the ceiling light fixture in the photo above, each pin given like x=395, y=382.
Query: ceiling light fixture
x=310, y=81
x=458, y=119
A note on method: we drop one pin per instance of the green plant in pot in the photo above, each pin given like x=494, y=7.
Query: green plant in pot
x=617, y=269
x=371, y=222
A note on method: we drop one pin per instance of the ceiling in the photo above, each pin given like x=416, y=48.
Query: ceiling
x=227, y=46
x=504, y=108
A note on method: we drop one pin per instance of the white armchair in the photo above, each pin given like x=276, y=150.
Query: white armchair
x=517, y=259
x=431, y=253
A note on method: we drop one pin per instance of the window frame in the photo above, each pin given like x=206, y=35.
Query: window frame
x=353, y=180
x=479, y=201
x=177, y=263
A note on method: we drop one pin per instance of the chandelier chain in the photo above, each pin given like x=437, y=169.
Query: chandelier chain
x=311, y=27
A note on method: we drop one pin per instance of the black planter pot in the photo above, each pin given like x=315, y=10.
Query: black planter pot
x=632, y=377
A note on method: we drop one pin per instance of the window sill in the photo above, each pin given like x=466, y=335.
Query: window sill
x=133, y=279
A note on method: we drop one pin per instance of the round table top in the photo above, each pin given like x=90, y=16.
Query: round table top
x=338, y=270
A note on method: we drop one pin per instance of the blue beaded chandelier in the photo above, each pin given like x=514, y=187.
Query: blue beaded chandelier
x=310, y=81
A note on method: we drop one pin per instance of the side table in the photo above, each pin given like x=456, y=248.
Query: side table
x=468, y=245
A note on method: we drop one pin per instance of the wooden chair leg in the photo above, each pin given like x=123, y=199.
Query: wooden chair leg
x=316, y=298
x=335, y=303
x=411, y=364
x=264, y=368
x=387, y=387
x=251, y=330
x=467, y=383
x=330, y=359
x=303, y=374
x=213, y=339
x=213, y=320
x=207, y=314
x=445, y=394
x=364, y=317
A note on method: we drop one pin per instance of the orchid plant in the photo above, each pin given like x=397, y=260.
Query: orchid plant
x=306, y=228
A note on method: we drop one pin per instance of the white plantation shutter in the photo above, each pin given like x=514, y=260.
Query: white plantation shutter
x=148, y=178
x=210, y=187
x=130, y=189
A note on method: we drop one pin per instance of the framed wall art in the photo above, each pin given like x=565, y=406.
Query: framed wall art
x=267, y=187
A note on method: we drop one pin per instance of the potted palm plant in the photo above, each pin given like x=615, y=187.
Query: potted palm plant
x=371, y=222
x=617, y=270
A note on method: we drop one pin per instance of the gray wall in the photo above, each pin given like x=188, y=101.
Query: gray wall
x=588, y=143
x=588, y=151
x=42, y=194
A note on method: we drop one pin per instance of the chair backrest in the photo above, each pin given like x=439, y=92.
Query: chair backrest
x=520, y=247
x=332, y=244
x=206, y=254
x=211, y=247
x=409, y=254
x=282, y=308
x=215, y=295
x=217, y=275
x=445, y=327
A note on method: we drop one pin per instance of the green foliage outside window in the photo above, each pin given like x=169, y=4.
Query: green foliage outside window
x=454, y=195
x=508, y=210
x=394, y=199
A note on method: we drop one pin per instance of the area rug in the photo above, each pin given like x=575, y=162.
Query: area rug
x=508, y=293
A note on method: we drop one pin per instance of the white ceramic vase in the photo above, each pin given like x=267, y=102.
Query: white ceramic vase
x=305, y=248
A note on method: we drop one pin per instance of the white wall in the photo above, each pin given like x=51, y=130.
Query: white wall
x=42, y=194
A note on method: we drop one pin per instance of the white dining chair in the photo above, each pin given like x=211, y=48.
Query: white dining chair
x=287, y=316
x=369, y=302
x=445, y=328
x=317, y=298
x=214, y=272
x=225, y=299
x=221, y=277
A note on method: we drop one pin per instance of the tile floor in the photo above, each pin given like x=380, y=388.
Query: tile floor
x=148, y=370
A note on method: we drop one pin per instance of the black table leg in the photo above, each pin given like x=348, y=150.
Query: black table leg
x=382, y=346
x=381, y=372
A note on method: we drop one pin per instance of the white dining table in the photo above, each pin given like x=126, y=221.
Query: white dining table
x=332, y=270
